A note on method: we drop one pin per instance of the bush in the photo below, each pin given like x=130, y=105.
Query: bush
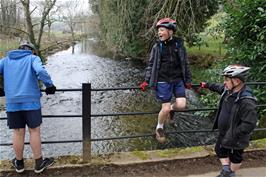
x=246, y=30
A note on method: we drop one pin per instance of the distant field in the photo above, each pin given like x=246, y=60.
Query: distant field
x=7, y=44
x=214, y=47
x=210, y=46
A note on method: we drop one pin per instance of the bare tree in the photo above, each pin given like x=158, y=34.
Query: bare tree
x=8, y=15
x=50, y=20
x=69, y=12
x=46, y=8
x=72, y=14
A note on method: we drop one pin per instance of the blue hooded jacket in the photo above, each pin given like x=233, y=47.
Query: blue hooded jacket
x=21, y=71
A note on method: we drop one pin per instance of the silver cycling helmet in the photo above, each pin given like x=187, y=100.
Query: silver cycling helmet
x=236, y=71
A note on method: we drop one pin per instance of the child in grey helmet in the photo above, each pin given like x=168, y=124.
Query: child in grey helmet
x=236, y=117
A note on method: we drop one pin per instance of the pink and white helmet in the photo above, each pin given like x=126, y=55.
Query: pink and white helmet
x=167, y=23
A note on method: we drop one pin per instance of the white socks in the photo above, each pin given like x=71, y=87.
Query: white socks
x=172, y=107
x=159, y=126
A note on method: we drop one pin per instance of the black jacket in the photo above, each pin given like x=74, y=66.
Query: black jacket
x=243, y=117
x=155, y=62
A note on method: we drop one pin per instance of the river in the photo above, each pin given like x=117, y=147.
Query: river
x=70, y=71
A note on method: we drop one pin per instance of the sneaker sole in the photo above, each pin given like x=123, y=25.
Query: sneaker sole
x=20, y=171
x=39, y=171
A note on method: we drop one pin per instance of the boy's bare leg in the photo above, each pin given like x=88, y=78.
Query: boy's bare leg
x=18, y=142
x=35, y=142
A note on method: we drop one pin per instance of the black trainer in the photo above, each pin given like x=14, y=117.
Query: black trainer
x=172, y=121
x=160, y=135
x=226, y=174
x=18, y=167
x=47, y=162
x=171, y=114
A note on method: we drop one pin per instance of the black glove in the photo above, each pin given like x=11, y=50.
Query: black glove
x=50, y=90
x=2, y=92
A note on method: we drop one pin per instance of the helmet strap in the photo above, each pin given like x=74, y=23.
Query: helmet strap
x=170, y=33
x=233, y=84
x=170, y=38
x=235, y=87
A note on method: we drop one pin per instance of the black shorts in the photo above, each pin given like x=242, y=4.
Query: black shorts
x=20, y=119
x=235, y=155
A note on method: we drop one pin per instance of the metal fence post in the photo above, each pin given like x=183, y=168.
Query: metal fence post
x=86, y=122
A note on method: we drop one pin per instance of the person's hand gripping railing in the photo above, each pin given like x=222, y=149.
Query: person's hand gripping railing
x=50, y=90
x=144, y=86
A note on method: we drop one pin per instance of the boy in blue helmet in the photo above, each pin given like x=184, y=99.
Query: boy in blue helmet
x=168, y=73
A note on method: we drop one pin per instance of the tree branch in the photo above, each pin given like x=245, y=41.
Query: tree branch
x=55, y=44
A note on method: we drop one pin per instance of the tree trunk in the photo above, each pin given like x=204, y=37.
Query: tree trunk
x=49, y=4
x=31, y=36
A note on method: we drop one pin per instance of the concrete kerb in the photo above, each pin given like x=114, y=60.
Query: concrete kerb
x=134, y=157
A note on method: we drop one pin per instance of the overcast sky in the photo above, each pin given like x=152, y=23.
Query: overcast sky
x=83, y=5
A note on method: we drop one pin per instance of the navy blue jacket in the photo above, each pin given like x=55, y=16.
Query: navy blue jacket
x=155, y=62
x=243, y=117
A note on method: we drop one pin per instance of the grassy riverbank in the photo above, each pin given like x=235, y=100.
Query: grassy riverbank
x=208, y=46
x=56, y=40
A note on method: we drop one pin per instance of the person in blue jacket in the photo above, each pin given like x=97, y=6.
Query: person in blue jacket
x=236, y=117
x=21, y=70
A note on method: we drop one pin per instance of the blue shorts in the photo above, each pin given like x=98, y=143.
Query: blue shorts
x=164, y=91
x=20, y=119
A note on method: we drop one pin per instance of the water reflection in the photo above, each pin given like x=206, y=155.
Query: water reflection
x=70, y=71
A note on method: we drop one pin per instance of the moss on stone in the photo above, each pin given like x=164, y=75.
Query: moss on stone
x=179, y=151
x=140, y=154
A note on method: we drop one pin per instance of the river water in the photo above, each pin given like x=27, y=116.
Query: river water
x=70, y=71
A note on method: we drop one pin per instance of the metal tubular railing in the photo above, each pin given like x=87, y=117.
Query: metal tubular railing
x=129, y=136
x=127, y=113
x=86, y=119
x=86, y=122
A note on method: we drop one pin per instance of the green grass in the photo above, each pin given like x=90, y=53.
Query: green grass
x=261, y=143
x=200, y=74
x=210, y=46
x=7, y=44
